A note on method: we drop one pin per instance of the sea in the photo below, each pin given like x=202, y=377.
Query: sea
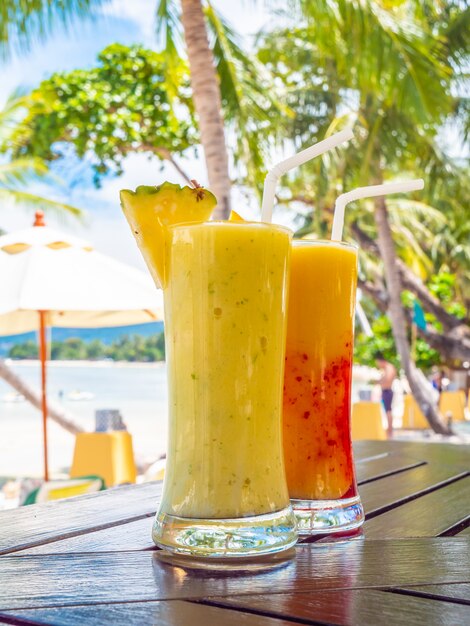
x=106, y=335
x=137, y=390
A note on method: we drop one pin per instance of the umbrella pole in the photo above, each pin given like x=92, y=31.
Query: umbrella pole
x=43, y=358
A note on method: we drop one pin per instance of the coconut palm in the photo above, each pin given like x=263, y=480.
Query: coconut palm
x=389, y=73
x=217, y=64
x=20, y=24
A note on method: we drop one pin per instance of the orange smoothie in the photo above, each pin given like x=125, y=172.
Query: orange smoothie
x=318, y=368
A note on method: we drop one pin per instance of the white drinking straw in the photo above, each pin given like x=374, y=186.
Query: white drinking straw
x=368, y=192
x=294, y=161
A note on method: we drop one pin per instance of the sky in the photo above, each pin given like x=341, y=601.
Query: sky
x=128, y=22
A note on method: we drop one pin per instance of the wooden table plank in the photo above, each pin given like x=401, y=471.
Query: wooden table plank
x=459, y=592
x=385, y=493
x=379, y=467
x=364, y=450
x=38, y=524
x=153, y=613
x=376, y=495
x=125, y=537
x=40, y=581
x=432, y=452
x=428, y=516
x=349, y=607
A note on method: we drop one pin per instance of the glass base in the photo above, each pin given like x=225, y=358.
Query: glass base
x=226, y=538
x=328, y=516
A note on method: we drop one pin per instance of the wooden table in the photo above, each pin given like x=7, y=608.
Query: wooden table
x=90, y=561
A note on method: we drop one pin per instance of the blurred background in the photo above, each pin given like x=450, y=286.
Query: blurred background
x=101, y=95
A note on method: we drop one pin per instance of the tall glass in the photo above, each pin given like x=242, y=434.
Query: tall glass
x=225, y=492
x=317, y=387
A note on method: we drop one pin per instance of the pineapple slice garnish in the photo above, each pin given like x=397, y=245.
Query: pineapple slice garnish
x=150, y=210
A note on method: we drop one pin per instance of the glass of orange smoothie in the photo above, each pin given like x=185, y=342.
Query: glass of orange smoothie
x=317, y=387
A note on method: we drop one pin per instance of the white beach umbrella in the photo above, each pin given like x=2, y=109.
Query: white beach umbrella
x=48, y=278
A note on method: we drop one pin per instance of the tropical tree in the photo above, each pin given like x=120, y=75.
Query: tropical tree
x=20, y=24
x=223, y=78
x=388, y=72
x=136, y=101
x=127, y=103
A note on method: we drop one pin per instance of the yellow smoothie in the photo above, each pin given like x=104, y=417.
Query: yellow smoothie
x=225, y=304
x=318, y=367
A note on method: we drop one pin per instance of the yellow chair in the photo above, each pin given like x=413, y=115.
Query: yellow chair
x=108, y=455
x=453, y=402
x=59, y=489
x=412, y=415
x=366, y=421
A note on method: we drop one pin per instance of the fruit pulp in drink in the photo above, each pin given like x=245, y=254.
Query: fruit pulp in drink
x=225, y=319
x=318, y=371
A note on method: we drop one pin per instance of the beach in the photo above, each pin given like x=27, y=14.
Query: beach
x=138, y=390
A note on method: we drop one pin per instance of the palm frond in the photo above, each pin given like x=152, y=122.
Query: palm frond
x=410, y=250
x=457, y=35
x=248, y=96
x=20, y=171
x=416, y=213
x=168, y=28
x=23, y=23
x=382, y=50
x=27, y=200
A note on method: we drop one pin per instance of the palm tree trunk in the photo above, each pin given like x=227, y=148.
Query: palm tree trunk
x=55, y=412
x=397, y=317
x=207, y=102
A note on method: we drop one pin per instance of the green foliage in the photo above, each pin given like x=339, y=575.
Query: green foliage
x=132, y=348
x=443, y=286
x=425, y=356
x=382, y=341
x=126, y=104
x=26, y=350
x=138, y=100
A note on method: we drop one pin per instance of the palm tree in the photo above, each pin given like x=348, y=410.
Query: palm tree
x=389, y=73
x=207, y=101
x=22, y=24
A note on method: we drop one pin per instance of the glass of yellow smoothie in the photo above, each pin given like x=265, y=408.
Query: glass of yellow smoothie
x=317, y=387
x=225, y=492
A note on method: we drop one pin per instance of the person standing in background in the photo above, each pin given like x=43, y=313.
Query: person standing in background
x=388, y=374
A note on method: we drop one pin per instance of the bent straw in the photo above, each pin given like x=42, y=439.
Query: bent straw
x=283, y=167
x=367, y=192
